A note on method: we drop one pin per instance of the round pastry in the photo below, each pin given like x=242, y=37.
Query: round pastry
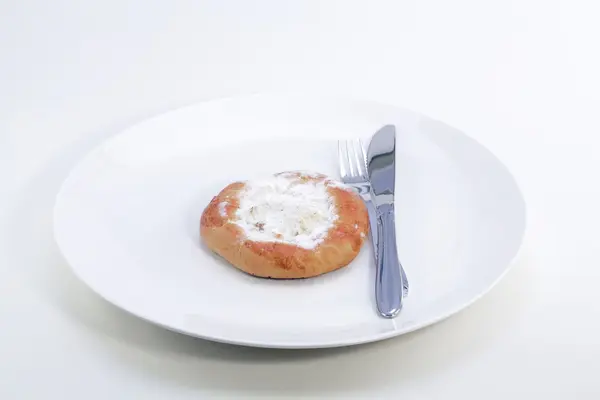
x=291, y=225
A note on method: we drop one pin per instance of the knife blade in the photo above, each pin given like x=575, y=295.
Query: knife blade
x=381, y=166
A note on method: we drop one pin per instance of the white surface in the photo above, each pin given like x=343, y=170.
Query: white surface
x=127, y=218
x=519, y=76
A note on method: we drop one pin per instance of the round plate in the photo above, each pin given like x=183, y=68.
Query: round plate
x=127, y=221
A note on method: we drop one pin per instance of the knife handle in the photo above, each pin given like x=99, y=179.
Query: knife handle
x=373, y=222
x=388, y=284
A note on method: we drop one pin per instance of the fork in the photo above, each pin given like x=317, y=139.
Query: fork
x=353, y=171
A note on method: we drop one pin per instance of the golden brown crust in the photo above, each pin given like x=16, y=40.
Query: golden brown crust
x=282, y=260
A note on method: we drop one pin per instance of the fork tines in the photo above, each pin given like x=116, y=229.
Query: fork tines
x=352, y=160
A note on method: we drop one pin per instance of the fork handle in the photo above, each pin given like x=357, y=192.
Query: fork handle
x=388, y=284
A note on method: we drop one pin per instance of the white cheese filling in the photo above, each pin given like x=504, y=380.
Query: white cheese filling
x=285, y=209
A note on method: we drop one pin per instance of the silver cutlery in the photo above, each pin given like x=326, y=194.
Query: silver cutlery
x=381, y=166
x=353, y=171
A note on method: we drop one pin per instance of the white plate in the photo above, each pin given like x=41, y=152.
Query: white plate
x=127, y=221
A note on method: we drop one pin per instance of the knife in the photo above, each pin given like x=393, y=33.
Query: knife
x=373, y=232
x=381, y=166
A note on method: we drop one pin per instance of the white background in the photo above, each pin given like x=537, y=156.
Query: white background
x=520, y=76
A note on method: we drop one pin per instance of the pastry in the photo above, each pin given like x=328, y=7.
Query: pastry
x=290, y=225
